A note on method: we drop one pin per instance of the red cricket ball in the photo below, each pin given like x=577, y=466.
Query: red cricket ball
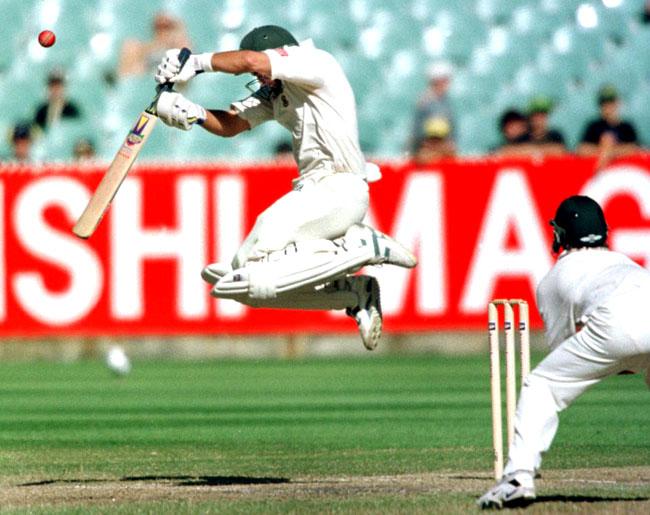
x=46, y=38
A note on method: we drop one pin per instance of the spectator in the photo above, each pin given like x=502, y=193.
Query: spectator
x=21, y=143
x=141, y=57
x=543, y=139
x=515, y=134
x=83, y=150
x=57, y=105
x=608, y=136
x=433, y=108
x=436, y=143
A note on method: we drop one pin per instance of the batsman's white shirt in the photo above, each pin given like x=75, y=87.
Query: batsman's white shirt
x=316, y=105
x=608, y=294
x=580, y=281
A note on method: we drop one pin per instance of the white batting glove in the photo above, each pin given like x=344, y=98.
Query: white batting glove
x=169, y=69
x=177, y=111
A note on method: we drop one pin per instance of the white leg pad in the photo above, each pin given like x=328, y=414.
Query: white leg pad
x=308, y=264
x=302, y=265
x=334, y=295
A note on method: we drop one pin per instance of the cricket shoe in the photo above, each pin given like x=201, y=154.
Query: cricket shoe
x=215, y=271
x=386, y=249
x=367, y=313
x=509, y=493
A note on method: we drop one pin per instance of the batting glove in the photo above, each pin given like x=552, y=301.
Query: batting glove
x=177, y=111
x=169, y=69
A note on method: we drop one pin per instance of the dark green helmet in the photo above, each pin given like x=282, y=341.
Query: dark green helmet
x=265, y=37
x=579, y=222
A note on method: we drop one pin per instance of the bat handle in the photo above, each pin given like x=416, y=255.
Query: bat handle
x=183, y=56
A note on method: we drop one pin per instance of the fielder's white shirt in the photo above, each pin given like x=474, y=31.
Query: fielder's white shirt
x=316, y=105
x=579, y=282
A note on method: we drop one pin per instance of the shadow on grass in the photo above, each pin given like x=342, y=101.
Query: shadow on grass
x=62, y=482
x=586, y=499
x=177, y=480
x=210, y=480
x=572, y=499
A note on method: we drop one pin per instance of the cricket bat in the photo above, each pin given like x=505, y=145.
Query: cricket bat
x=122, y=162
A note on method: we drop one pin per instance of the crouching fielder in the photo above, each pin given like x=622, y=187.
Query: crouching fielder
x=303, y=249
x=594, y=306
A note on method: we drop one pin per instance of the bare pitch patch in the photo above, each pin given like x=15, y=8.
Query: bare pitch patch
x=612, y=490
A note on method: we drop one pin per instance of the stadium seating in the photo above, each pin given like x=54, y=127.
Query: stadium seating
x=504, y=51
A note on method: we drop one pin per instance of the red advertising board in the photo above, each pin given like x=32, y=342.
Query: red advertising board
x=479, y=229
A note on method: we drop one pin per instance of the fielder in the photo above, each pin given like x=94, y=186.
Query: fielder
x=594, y=306
x=303, y=249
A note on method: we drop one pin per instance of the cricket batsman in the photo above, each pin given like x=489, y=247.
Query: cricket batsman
x=594, y=304
x=304, y=248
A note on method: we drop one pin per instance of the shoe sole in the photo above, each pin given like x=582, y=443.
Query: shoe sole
x=519, y=502
x=375, y=313
x=372, y=337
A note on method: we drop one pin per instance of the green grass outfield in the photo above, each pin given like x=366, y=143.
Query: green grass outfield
x=246, y=436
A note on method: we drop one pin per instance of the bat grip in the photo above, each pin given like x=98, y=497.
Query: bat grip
x=183, y=56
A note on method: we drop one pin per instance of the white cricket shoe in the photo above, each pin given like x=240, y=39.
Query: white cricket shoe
x=509, y=492
x=214, y=272
x=387, y=250
x=368, y=312
x=393, y=252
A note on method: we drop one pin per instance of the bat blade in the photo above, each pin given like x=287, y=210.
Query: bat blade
x=116, y=173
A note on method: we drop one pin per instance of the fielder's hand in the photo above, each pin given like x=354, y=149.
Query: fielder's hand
x=177, y=111
x=169, y=69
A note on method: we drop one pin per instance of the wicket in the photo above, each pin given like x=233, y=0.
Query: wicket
x=495, y=369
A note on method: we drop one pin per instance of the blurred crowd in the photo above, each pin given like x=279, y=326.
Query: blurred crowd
x=524, y=130
x=56, y=107
x=137, y=57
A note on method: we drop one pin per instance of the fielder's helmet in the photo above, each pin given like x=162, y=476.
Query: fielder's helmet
x=579, y=222
x=265, y=37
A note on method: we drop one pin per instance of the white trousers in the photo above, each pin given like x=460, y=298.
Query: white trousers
x=615, y=338
x=323, y=209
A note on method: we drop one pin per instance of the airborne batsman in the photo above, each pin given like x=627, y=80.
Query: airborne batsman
x=304, y=248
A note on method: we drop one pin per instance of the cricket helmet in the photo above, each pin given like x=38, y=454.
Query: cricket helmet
x=579, y=222
x=266, y=37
